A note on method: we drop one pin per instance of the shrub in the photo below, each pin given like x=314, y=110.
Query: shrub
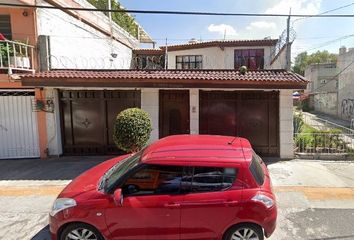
x=132, y=129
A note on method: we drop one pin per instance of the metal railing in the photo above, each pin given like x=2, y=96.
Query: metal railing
x=16, y=56
x=318, y=144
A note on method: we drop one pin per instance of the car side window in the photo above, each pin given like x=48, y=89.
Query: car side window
x=154, y=179
x=209, y=179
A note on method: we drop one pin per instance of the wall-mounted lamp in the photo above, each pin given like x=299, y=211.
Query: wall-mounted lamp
x=25, y=13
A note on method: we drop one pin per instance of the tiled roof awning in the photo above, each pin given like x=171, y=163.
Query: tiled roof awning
x=278, y=79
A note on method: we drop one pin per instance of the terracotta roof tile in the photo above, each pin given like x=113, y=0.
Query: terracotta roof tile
x=136, y=77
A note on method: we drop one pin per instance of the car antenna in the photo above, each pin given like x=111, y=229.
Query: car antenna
x=232, y=141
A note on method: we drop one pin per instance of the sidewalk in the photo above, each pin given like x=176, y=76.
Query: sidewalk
x=341, y=122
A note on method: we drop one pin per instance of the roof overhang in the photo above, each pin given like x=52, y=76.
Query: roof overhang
x=264, y=79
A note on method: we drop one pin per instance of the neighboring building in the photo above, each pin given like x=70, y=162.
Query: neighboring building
x=50, y=39
x=346, y=84
x=198, y=99
x=323, y=87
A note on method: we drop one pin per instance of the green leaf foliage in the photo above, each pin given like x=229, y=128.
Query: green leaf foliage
x=303, y=60
x=132, y=129
x=123, y=19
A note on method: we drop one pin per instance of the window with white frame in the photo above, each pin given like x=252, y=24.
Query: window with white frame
x=189, y=62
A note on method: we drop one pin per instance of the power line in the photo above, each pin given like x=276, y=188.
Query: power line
x=177, y=12
x=325, y=12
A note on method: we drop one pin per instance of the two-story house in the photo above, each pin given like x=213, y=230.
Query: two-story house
x=192, y=88
x=40, y=39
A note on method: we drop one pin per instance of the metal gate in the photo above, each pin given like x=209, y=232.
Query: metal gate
x=18, y=125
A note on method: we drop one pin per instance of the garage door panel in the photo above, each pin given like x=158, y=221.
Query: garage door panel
x=18, y=125
x=250, y=114
x=88, y=118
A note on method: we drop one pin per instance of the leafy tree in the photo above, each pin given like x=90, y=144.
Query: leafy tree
x=132, y=129
x=303, y=60
x=123, y=19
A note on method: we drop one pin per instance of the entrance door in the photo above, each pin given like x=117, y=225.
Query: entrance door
x=174, y=112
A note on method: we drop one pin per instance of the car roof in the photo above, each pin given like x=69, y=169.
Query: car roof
x=198, y=150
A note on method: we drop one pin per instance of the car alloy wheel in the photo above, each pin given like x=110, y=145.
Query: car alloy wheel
x=81, y=234
x=244, y=234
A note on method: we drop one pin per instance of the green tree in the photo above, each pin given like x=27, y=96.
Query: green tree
x=303, y=60
x=132, y=129
x=124, y=20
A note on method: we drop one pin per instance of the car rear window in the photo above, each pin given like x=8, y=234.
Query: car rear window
x=257, y=170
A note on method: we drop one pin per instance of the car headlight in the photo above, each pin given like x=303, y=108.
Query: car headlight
x=267, y=201
x=61, y=204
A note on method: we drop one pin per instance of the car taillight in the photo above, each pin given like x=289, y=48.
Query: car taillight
x=267, y=201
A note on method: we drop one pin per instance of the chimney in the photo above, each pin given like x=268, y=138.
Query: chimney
x=342, y=50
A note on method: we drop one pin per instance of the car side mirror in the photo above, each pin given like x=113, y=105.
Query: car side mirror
x=118, y=197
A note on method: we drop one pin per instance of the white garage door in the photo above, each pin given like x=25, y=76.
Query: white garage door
x=18, y=125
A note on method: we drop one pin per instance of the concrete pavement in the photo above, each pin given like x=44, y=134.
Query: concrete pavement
x=315, y=198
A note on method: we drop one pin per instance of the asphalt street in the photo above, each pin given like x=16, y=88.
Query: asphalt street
x=315, y=198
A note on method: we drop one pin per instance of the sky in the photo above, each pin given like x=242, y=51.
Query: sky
x=312, y=34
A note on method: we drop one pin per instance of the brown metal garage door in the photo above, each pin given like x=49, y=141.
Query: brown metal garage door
x=250, y=114
x=88, y=117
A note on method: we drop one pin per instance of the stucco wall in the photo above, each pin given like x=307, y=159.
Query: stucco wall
x=216, y=57
x=322, y=77
x=286, y=124
x=76, y=45
x=346, y=86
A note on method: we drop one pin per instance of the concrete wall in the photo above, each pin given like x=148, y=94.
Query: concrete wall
x=76, y=45
x=216, y=57
x=326, y=103
x=346, y=85
x=321, y=77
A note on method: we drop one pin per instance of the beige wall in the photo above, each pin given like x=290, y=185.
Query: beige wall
x=216, y=57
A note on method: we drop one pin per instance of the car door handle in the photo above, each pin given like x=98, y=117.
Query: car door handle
x=231, y=203
x=172, y=205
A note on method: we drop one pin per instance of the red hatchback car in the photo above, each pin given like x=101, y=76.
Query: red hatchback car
x=180, y=187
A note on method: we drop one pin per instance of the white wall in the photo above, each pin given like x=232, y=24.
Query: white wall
x=216, y=57
x=53, y=124
x=76, y=45
x=150, y=103
x=286, y=124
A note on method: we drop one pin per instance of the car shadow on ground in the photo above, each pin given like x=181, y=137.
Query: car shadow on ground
x=43, y=234
x=62, y=168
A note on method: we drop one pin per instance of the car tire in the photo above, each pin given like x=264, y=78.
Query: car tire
x=77, y=229
x=244, y=230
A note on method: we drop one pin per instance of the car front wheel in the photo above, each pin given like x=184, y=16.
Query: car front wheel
x=80, y=231
x=245, y=232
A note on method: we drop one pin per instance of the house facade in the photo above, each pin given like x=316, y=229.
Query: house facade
x=191, y=96
x=40, y=39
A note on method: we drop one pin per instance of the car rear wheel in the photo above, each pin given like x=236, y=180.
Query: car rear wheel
x=80, y=231
x=245, y=232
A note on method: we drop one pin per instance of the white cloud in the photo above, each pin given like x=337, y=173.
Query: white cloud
x=262, y=25
x=274, y=27
x=222, y=29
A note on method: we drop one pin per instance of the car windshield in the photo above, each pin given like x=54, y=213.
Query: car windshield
x=118, y=170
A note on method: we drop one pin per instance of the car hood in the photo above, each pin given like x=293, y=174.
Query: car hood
x=88, y=181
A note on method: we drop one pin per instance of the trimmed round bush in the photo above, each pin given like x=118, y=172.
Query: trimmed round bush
x=132, y=129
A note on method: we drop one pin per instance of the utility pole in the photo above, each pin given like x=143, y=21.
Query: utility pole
x=288, y=46
x=166, y=57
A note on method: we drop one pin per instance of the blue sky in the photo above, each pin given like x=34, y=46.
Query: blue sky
x=312, y=34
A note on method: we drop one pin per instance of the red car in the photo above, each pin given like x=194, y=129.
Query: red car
x=180, y=187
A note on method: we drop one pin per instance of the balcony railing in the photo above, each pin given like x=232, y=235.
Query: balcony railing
x=16, y=57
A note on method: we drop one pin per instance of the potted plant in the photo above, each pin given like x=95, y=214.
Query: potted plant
x=18, y=58
x=6, y=50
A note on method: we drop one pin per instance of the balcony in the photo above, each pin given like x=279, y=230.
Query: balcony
x=16, y=57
